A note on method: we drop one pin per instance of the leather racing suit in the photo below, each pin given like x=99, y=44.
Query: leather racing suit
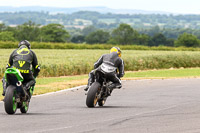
x=25, y=61
x=113, y=60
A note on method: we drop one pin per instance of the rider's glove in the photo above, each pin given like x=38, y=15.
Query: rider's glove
x=36, y=71
x=7, y=66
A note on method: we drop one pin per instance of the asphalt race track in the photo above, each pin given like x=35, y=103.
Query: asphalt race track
x=141, y=106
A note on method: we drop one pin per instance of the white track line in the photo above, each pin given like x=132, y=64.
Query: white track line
x=61, y=91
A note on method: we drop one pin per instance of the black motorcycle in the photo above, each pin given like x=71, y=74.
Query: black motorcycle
x=100, y=90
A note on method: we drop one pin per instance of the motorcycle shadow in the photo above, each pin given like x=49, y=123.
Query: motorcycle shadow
x=38, y=114
x=115, y=107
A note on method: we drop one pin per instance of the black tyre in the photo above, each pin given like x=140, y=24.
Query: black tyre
x=92, y=95
x=24, y=107
x=10, y=103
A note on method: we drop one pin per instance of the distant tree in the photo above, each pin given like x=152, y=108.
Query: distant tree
x=170, y=42
x=2, y=27
x=101, y=25
x=144, y=39
x=171, y=33
x=113, y=25
x=28, y=31
x=98, y=36
x=78, y=39
x=197, y=33
x=87, y=30
x=158, y=39
x=7, y=36
x=74, y=32
x=155, y=30
x=187, y=40
x=54, y=33
x=94, y=21
x=140, y=21
x=124, y=34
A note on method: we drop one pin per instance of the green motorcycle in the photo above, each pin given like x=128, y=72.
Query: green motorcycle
x=16, y=96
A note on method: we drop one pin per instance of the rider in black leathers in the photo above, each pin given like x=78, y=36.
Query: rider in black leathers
x=113, y=59
x=25, y=60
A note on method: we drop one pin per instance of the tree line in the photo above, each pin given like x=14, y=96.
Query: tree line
x=34, y=32
x=124, y=34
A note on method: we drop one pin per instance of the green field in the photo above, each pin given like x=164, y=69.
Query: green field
x=168, y=73
x=75, y=62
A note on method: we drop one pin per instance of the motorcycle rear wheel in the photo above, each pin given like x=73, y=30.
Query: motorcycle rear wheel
x=10, y=103
x=92, y=95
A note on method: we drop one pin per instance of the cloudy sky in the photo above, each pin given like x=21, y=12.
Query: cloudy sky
x=174, y=6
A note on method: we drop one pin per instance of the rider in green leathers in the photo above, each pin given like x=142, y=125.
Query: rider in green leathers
x=25, y=60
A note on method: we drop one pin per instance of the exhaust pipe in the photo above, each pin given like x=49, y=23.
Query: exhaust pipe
x=19, y=83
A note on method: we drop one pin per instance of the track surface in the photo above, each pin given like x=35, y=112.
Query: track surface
x=141, y=106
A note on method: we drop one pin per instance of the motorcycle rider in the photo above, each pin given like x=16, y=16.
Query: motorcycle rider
x=113, y=59
x=23, y=59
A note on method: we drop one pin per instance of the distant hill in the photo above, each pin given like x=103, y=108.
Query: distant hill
x=54, y=10
x=100, y=17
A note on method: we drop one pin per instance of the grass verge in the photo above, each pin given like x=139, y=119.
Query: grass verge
x=51, y=84
x=167, y=73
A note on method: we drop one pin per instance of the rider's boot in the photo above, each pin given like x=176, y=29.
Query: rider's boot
x=29, y=84
x=118, y=86
x=89, y=84
x=90, y=80
x=3, y=93
x=112, y=87
x=86, y=88
x=109, y=92
x=29, y=87
x=4, y=86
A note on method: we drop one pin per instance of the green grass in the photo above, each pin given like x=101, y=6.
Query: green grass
x=170, y=73
x=52, y=84
x=57, y=62
x=44, y=81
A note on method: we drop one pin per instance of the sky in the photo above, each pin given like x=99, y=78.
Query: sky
x=172, y=6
